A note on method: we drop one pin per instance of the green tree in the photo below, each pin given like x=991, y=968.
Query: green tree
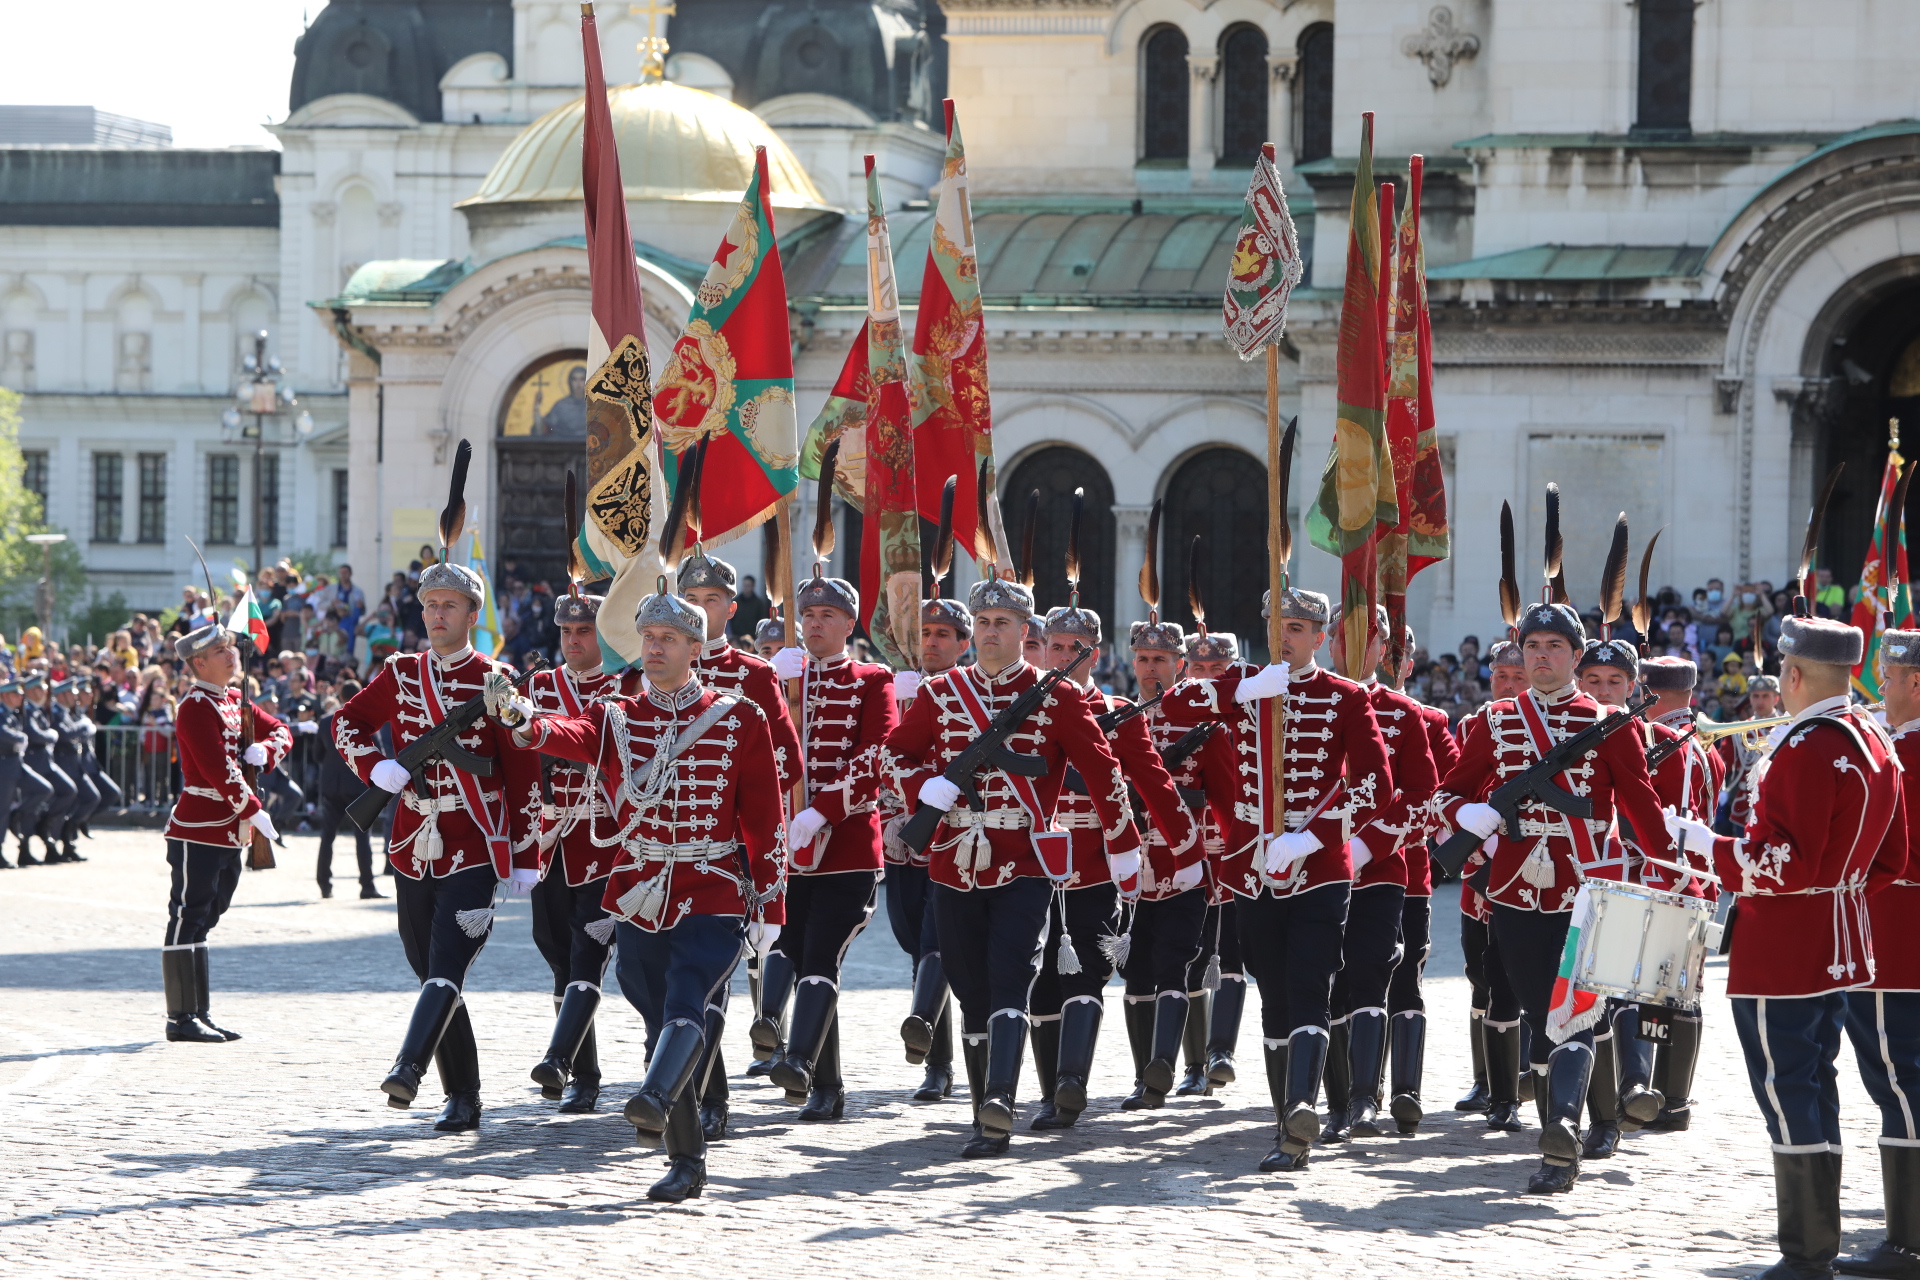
x=21, y=513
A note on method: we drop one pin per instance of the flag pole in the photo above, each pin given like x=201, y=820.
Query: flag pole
x=1277, y=583
x=782, y=570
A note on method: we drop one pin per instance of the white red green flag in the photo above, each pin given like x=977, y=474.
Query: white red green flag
x=247, y=620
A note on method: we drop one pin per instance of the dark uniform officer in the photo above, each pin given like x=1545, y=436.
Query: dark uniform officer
x=13, y=746
x=54, y=797
x=73, y=756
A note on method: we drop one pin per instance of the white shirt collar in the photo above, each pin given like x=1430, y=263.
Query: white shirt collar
x=1555, y=697
x=1825, y=707
x=715, y=647
x=593, y=673
x=453, y=659
x=217, y=690
x=823, y=664
x=1900, y=731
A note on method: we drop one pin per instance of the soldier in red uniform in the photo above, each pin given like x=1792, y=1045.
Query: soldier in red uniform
x=769, y=637
x=693, y=819
x=991, y=867
x=1372, y=947
x=1740, y=753
x=1294, y=883
x=847, y=710
x=1883, y=1018
x=212, y=822
x=1828, y=831
x=1164, y=932
x=567, y=899
x=453, y=834
x=1533, y=880
x=709, y=583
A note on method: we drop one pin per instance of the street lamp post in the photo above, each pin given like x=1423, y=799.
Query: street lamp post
x=43, y=594
x=264, y=396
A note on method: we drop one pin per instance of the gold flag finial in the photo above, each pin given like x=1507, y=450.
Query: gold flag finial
x=1893, y=433
x=653, y=49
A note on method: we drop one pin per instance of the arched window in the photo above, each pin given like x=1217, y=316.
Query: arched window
x=1243, y=94
x=1163, y=93
x=1315, y=78
x=1665, y=100
x=1221, y=495
x=1056, y=472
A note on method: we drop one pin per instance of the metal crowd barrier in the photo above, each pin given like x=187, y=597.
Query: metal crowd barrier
x=140, y=759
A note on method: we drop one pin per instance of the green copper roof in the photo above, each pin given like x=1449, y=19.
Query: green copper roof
x=1579, y=262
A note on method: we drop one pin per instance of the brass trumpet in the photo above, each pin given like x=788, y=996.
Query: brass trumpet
x=1740, y=729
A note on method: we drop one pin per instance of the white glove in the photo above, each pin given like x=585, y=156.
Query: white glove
x=1358, y=851
x=391, y=775
x=1188, y=877
x=306, y=728
x=520, y=883
x=515, y=712
x=1268, y=682
x=1695, y=837
x=263, y=824
x=1288, y=848
x=939, y=793
x=1481, y=819
x=1123, y=866
x=256, y=755
x=905, y=685
x=761, y=937
x=806, y=824
x=790, y=664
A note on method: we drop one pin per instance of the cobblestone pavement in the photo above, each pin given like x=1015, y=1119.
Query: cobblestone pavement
x=124, y=1155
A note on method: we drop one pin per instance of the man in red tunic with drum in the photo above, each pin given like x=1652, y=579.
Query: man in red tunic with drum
x=1828, y=830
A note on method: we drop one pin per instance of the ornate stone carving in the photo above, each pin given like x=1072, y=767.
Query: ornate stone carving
x=1282, y=67
x=1441, y=45
x=1203, y=67
x=390, y=213
x=324, y=212
x=1726, y=394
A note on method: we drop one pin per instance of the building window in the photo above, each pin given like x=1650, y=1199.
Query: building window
x=153, y=497
x=1243, y=94
x=270, y=500
x=35, y=477
x=1665, y=106
x=107, y=469
x=340, y=508
x=1315, y=77
x=223, y=499
x=1164, y=85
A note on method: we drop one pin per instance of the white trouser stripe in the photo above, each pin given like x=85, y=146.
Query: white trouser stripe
x=1773, y=1096
x=1886, y=1061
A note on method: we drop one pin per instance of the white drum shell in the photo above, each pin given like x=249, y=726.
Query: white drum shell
x=1645, y=945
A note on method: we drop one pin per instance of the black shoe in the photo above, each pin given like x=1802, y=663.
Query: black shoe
x=937, y=1084
x=69, y=852
x=1286, y=1157
x=1363, y=1119
x=1306, y=1063
x=326, y=891
x=1193, y=1049
x=432, y=1011
x=1138, y=1015
x=1474, y=1099
x=1194, y=1084
x=572, y=1024
x=1169, y=1027
x=201, y=998
x=1602, y=1140
x=1502, y=1057
x=4, y=864
x=462, y=1113
x=214, y=1027
x=1553, y=1179
x=26, y=856
x=1887, y=1260
x=675, y=1055
x=1006, y=1046
x=766, y=1034
x=928, y=1007
x=1049, y=1116
x=1220, y=1068
x=1505, y=1117
x=985, y=1144
x=760, y=1068
x=686, y=1179
x=1408, y=1033
x=1223, y=1021
x=580, y=1097
x=1569, y=1072
x=370, y=891
x=824, y=1103
x=185, y=1027
x=1079, y=1034
x=713, y=1121
x=1678, y=1121
x=1367, y=1062
x=1143, y=1099
x=1806, y=1192
x=813, y=1010
x=1337, y=1078
x=1639, y=1106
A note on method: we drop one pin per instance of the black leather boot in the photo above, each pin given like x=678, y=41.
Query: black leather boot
x=25, y=855
x=582, y=1094
x=1193, y=1047
x=1223, y=1031
x=182, y=985
x=1673, y=1074
x=1408, y=1033
x=1169, y=1026
x=458, y=1058
x=768, y=1032
x=813, y=1006
x=201, y=996
x=432, y=1011
x=1603, y=1101
x=686, y=1151
x=1079, y=1033
x=827, y=1099
x=1046, y=1070
x=1307, y=1051
x=1640, y=1103
x=1006, y=1045
x=1139, y=1019
x=1339, y=1081
x=1897, y=1256
x=938, y=1082
x=675, y=1058
x=572, y=1020
x=1287, y=1156
x=70, y=852
x=929, y=1006
x=1806, y=1190
x=1503, y=1077
x=1367, y=1056
x=710, y=1081
x=1565, y=1097
x=1528, y=1083
x=1476, y=1098
x=973, y=1050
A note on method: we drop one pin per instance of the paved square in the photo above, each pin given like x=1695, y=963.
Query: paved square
x=125, y=1155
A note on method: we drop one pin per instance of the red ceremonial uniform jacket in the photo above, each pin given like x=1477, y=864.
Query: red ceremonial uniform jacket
x=1689, y=785
x=1679, y=722
x=215, y=801
x=1445, y=751
x=1337, y=778
x=705, y=838
x=1173, y=839
x=564, y=827
x=1894, y=912
x=464, y=820
x=1213, y=770
x=1613, y=777
x=719, y=665
x=996, y=847
x=1397, y=835
x=1737, y=761
x=847, y=709
x=1472, y=903
x=1829, y=829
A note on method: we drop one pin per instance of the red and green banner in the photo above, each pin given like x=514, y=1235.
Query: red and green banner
x=1571, y=1010
x=1878, y=597
x=952, y=416
x=730, y=379
x=1266, y=263
x=247, y=620
x=1358, y=497
x=844, y=418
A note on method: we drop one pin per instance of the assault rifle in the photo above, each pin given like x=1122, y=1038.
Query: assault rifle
x=1537, y=784
x=442, y=741
x=1660, y=754
x=990, y=751
x=1111, y=720
x=1173, y=757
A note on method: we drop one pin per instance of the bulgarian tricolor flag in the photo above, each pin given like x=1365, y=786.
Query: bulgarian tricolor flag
x=247, y=620
x=1889, y=551
x=1573, y=1010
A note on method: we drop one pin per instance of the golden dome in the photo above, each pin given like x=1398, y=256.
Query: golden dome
x=675, y=143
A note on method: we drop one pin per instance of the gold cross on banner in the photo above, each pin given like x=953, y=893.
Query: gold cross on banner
x=653, y=49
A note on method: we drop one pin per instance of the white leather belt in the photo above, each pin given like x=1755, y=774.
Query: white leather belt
x=440, y=804
x=998, y=819
x=1558, y=827
x=692, y=851
x=1078, y=822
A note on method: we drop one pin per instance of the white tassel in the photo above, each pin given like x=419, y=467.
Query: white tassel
x=1068, y=960
x=1118, y=946
x=1212, y=981
x=474, y=923
x=601, y=930
x=1537, y=870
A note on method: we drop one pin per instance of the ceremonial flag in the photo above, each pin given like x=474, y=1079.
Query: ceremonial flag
x=1420, y=538
x=487, y=637
x=1571, y=1010
x=1889, y=550
x=620, y=444
x=1358, y=498
x=890, y=536
x=952, y=418
x=1265, y=265
x=730, y=379
x=844, y=418
x=247, y=620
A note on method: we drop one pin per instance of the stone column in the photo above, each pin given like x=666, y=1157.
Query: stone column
x=1280, y=73
x=194, y=377
x=1204, y=68
x=1129, y=553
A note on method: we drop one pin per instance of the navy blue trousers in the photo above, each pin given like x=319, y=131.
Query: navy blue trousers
x=1292, y=948
x=1089, y=915
x=990, y=945
x=60, y=800
x=908, y=910
x=561, y=914
x=203, y=881
x=1416, y=941
x=1370, y=949
x=1790, y=1043
x=35, y=792
x=675, y=974
x=1885, y=1029
x=430, y=932
x=1530, y=944
x=1168, y=938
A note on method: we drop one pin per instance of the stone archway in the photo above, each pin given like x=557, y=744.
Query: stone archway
x=1056, y=470
x=1219, y=494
